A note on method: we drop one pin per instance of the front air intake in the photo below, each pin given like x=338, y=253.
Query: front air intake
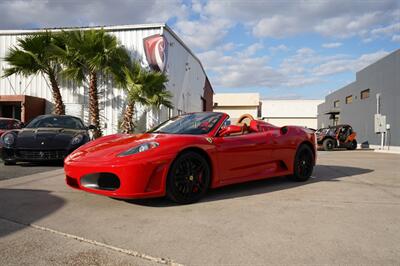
x=101, y=181
x=72, y=182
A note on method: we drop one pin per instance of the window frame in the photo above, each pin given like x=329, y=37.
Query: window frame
x=336, y=104
x=347, y=99
x=365, y=92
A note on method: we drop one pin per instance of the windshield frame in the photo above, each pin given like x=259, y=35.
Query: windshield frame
x=219, y=116
x=37, y=119
x=5, y=123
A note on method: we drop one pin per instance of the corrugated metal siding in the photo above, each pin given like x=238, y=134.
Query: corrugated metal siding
x=186, y=82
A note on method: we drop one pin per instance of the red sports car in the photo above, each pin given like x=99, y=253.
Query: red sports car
x=185, y=156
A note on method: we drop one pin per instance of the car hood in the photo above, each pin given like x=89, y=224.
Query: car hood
x=49, y=138
x=112, y=145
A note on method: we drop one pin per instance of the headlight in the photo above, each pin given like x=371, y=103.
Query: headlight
x=9, y=139
x=77, y=139
x=140, y=148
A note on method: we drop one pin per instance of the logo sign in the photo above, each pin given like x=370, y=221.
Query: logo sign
x=156, y=50
x=209, y=140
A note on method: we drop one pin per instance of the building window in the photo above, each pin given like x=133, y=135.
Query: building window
x=336, y=103
x=349, y=99
x=364, y=94
x=170, y=113
x=204, y=104
x=180, y=112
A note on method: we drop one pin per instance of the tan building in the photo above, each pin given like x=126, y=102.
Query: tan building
x=237, y=104
x=291, y=112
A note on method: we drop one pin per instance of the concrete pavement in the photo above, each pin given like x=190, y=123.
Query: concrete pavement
x=346, y=214
x=23, y=169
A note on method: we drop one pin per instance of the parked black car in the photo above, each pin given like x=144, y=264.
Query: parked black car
x=45, y=138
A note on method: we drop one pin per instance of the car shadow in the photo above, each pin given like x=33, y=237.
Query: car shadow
x=21, y=207
x=322, y=173
x=39, y=164
x=344, y=149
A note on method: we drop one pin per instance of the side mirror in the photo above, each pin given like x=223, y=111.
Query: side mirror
x=91, y=127
x=226, y=131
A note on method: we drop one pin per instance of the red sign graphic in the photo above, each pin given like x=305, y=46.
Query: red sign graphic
x=156, y=50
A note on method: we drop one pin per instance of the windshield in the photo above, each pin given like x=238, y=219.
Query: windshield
x=56, y=122
x=5, y=124
x=193, y=124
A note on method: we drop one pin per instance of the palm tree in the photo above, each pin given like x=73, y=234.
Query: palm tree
x=88, y=54
x=33, y=56
x=146, y=88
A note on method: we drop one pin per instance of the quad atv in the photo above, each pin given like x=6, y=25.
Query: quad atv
x=340, y=136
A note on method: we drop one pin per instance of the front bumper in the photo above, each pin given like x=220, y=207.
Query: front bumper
x=31, y=155
x=126, y=179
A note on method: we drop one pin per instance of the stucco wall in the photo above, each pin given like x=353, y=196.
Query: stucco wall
x=236, y=111
x=294, y=121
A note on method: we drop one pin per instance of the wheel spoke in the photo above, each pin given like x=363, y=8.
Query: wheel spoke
x=188, y=178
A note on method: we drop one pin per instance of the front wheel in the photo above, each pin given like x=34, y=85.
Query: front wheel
x=10, y=162
x=188, y=178
x=328, y=144
x=303, y=164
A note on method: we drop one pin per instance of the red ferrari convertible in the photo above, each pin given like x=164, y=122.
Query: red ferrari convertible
x=185, y=156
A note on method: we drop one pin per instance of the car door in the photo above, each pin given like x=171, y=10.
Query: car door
x=241, y=156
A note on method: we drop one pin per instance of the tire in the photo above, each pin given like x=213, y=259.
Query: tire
x=10, y=163
x=328, y=144
x=188, y=178
x=352, y=145
x=303, y=164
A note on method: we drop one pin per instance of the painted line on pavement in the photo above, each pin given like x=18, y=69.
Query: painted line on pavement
x=133, y=253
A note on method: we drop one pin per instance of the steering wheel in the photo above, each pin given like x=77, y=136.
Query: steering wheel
x=243, y=117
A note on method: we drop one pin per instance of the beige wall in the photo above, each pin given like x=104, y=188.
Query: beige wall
x=304, y=122
x=236, y=111
x=237, y=99
x=237, y=104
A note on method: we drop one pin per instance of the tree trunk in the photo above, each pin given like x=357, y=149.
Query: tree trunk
x=94, y=112
x=127, y=123
x=59, y=105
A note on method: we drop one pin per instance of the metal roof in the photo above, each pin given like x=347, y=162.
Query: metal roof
x=109, y=28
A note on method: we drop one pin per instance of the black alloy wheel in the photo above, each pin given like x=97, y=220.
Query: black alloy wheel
x=303, y=164
x=9, y=162
x=189, y=178
x=328, y=144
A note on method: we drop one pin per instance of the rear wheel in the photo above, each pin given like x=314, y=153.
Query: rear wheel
x=189, y=178
x=328, y=144
x=352, y=145
x=303, y=164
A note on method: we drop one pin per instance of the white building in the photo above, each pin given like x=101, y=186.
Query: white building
x=278, y=112
x=291, y=112
x=237, y=104
x=188, y=81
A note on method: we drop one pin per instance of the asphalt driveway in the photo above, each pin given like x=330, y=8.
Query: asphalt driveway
x=348, y=213
x=23, y=169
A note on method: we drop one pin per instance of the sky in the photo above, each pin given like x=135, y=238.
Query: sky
x=282, y=49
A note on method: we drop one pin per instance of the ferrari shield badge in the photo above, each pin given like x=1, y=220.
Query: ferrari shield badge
x=209, y=140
